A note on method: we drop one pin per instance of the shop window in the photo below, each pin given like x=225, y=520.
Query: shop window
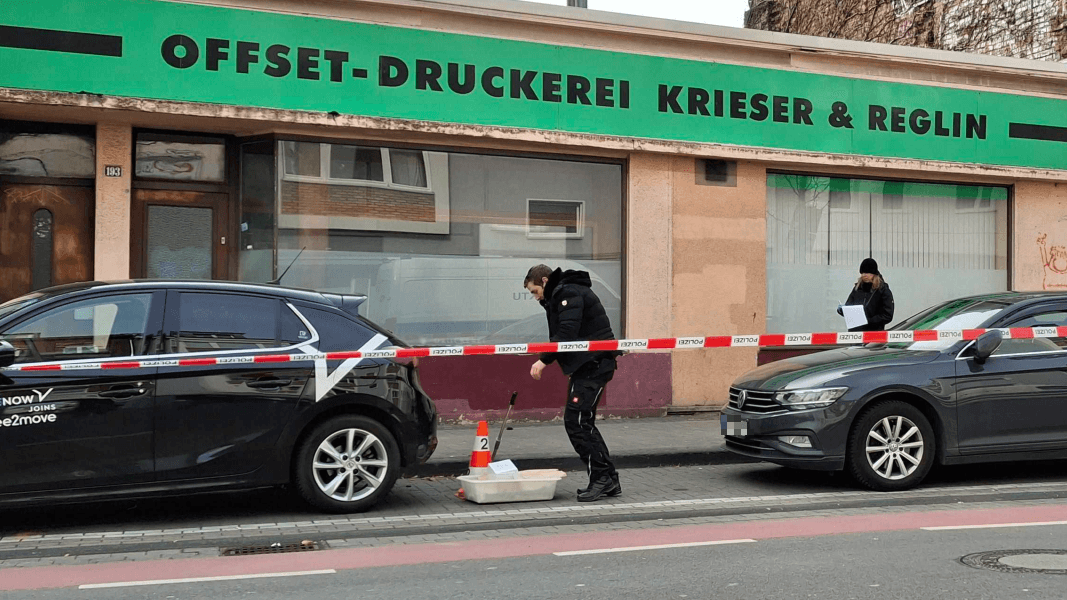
x=440, y=244
x=47, y=154
x=164, y=156
x=932, y=242
x=554, y=218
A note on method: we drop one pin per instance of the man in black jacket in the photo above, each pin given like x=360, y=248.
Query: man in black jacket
x=576, y=314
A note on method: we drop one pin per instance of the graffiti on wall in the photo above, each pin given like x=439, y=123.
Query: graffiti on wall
x=1054, y=261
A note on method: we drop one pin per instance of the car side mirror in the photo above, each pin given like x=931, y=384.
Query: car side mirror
x=986, y=345
x=7, y=354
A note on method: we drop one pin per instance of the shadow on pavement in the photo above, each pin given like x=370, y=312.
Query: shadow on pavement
x=781, y=480
x=156, y=513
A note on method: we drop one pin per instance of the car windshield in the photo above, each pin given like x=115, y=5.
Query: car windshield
x=955, y=314
x=12, y=306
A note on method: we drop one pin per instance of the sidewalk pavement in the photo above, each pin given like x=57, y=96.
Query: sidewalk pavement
x=633, y=443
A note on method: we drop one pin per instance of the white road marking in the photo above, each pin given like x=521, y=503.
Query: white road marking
x=94, y=586
x=991, y=526
x=659, y=547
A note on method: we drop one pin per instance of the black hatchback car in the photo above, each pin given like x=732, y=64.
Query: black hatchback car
x=84, y=416
x=888, y=412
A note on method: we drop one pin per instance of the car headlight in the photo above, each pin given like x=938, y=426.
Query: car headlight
x=814, y=398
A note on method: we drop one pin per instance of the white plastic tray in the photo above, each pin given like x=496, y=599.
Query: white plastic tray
x=532, y=485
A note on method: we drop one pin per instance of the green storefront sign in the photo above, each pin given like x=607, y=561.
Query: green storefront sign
x=173, y=51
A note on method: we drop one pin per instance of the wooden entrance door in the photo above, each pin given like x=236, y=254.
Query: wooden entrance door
x=178, y=234
x=46, y=236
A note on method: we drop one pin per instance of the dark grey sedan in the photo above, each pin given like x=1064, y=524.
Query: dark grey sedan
x=887, y=413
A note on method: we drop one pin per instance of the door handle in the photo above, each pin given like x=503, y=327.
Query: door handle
x=123, y=392
x=269, y=383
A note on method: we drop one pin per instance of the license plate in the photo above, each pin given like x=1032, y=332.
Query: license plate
x=733, y=426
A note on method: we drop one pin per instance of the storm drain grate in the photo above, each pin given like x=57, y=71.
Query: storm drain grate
x=275, y=548
x=1019, y=561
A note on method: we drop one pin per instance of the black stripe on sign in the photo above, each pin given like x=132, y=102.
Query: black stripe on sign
x=54, y=40
x=1047, y=133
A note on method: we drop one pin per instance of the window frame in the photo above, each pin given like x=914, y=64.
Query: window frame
x=325, y=150
x=579, y=232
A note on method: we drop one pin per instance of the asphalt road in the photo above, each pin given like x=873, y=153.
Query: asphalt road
x=428, y=496
x=875, y=557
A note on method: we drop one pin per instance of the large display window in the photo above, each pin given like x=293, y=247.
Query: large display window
x=932, y=242
x=438, y=241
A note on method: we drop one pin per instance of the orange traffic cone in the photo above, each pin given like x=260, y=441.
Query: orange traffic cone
x=479, y=455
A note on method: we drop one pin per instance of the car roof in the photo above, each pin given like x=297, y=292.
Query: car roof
x=1016, y=299
x=186, y=284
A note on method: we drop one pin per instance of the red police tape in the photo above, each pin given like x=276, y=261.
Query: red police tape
x=676, y=343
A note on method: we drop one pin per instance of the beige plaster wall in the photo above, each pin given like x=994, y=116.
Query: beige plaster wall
x=1040, y=216
x=648, y=246
x=719, y=276
x=112, y=249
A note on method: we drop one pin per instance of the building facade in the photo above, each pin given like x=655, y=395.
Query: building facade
x=713, y=181
x=1034, y=29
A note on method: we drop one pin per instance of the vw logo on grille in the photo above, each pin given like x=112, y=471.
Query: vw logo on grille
x=741, y=397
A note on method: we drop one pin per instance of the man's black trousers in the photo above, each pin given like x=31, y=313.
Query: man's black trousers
x=579, y=418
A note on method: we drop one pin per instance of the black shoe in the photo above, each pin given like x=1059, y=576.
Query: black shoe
x=605, y=486
x=616, y=492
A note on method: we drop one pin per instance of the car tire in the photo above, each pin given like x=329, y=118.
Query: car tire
x=347, y=464
x=891, y=447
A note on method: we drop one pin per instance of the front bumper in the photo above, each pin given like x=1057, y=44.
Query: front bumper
x=756, y=436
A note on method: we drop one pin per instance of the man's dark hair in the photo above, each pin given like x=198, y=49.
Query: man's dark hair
x=535, y=274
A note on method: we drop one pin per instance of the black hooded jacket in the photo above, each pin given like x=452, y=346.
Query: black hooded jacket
x=575, y=314
x=877, y=304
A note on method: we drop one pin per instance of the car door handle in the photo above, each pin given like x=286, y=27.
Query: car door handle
x=123, y=392
x=269, y=383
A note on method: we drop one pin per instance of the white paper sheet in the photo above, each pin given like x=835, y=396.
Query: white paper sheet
x=854, y=316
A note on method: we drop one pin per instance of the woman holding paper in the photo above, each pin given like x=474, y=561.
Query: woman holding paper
x=872, y=293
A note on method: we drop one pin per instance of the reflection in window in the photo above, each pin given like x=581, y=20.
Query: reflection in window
x=408, y=167
x=443, y=264
x=1055, y=318
x=47, y=155
x=41, y=250
x=355, y=165
x=212, y=322
x=931, y=241
x=302, y=158
x=554, y=218
x=113, y=326
x=354, y=162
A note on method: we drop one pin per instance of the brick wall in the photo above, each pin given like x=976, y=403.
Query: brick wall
x=299, y=198
x=551, y=219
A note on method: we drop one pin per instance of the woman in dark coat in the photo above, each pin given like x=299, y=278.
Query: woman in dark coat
x=872, y=292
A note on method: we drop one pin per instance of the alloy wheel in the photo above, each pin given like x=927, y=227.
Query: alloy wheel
x=350, y=464
x=894, y=447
